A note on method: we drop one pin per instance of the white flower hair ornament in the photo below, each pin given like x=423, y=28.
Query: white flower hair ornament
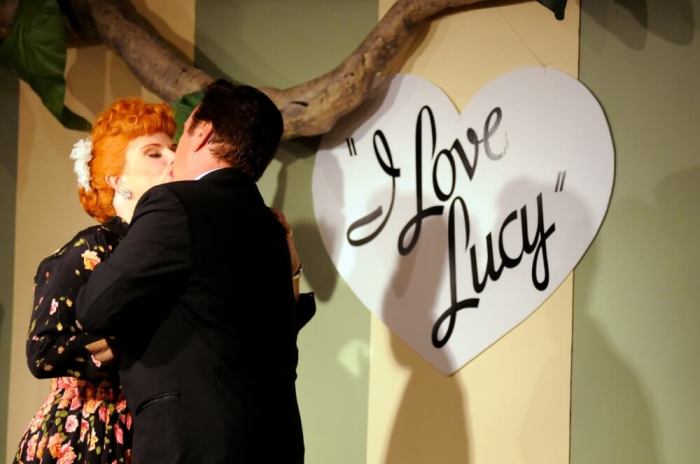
x=81, y=154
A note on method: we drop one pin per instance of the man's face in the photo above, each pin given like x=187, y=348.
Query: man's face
x=185, y=152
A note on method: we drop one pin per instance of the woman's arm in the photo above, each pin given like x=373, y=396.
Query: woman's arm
x=293, y=254
x=55, y=343
x=306, y=302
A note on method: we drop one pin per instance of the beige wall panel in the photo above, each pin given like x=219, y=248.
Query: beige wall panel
x=48, y=211
x=510, y=404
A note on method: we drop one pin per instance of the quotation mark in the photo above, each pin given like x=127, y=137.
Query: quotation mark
x=561, y=177
x=351, y=146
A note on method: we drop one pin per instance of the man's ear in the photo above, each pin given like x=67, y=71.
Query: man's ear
x=204, y=131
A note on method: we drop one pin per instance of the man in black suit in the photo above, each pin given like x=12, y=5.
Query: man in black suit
x=200, y=298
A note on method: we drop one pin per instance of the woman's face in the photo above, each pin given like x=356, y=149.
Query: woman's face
x=149, y=162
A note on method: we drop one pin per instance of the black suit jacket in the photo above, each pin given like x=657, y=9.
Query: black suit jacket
x=199, y=296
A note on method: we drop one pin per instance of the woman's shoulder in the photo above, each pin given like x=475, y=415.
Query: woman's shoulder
x=98, y=238
x=89, y=236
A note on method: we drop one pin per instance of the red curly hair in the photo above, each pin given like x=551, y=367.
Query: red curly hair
x=114, y=128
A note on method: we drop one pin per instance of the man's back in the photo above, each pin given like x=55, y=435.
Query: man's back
x=210, y=371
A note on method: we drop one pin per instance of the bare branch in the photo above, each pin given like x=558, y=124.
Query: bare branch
x=313, y=108
x=309, y=109
x=160, y=69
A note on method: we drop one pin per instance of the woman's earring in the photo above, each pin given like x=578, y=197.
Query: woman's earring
x=125, y=193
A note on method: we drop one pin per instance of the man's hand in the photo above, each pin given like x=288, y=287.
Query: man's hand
x=101, y=352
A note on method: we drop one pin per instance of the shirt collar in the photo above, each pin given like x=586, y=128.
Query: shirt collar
x=208, y=172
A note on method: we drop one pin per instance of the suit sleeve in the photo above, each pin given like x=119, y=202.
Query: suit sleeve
x=306, y=308
x=151, y=261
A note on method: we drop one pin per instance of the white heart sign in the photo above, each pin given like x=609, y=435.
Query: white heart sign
x=454, y=227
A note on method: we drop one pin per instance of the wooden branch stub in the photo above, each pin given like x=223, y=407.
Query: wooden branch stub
x=155, y=64
x=313, y=108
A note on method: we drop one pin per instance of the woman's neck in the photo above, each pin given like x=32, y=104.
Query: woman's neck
x=123, y=207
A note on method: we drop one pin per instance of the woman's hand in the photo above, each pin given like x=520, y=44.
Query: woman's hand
x=295, y=271
x=293, y=254
x=101, y=352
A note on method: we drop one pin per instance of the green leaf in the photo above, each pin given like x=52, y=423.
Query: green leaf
x=182, y=109
x=35, y=50
x=557, y=6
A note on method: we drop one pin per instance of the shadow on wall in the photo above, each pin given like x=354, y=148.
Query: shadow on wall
x=340, y=326
x=112, y=80
x=611, y=414
x=617, y=424
x=319, y=270
x=430, y=424
x=674, y=21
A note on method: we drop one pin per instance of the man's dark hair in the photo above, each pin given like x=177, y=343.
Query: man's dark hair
x=247, y=126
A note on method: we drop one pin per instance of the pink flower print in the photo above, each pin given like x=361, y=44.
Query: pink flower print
x=91, y=406
x=118, y=434
x=90, y=259
x=55, y=445
x=93, y=442
x=64, y=403
x=31, y=447
x=128, y=421
x=71, y=423
x=84, y=427
x=103, y=413
x=54, y=306
x=42, y=446
x=64, y=383
x=121, y=405
x=76, y=403
x=66, y=455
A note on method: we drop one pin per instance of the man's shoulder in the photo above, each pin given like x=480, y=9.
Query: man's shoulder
x=160, y=198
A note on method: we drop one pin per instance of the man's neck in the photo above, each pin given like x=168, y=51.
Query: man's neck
x=209, y=171
x=199, y=171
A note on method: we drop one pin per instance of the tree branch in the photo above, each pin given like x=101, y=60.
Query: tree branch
x=309, y=109
x=156, y=65
x=313, y=108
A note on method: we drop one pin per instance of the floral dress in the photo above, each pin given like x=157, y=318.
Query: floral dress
x=84, y=419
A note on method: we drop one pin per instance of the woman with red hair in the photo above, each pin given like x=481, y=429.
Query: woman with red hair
x=85, y=418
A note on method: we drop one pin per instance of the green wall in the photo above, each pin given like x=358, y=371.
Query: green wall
x=636, y=378
x=274, y=43
x=9, y=104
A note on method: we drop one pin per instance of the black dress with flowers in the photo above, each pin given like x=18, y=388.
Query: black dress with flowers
x=84, y=419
